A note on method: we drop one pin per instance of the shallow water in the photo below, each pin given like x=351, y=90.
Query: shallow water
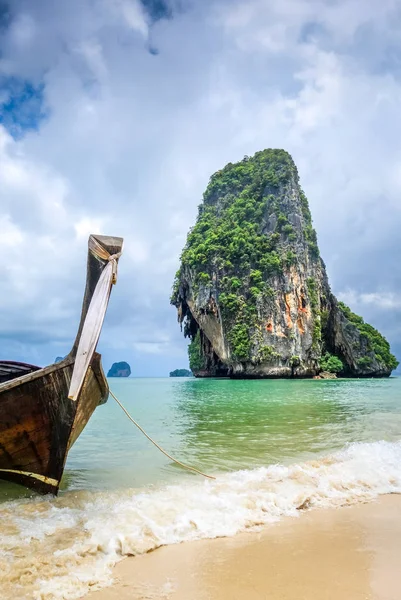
x=275, y=446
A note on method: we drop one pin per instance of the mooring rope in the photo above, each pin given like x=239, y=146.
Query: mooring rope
x=156, y=444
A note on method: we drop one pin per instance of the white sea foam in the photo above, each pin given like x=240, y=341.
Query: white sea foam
x=64, y=547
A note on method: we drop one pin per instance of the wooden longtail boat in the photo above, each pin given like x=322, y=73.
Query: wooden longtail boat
x=43, y=411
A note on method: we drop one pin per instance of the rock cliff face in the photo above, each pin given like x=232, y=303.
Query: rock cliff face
x=119, y=369
x=252, y=291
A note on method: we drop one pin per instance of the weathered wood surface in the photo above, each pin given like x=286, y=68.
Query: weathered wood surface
x=38, y=422
x=11, y=370
x=95, y=314
x=95, y=391
x=113, y=245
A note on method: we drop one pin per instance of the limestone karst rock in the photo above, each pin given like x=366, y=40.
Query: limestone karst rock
x=252, y=290
x=119, y=369
x=180, y=373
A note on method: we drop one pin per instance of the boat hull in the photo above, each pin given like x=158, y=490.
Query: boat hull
x=39, y=423
x=11, y=370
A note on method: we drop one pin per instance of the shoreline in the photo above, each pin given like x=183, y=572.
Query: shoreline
x=348, y=553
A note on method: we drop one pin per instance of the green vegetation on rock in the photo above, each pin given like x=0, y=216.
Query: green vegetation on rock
x=196, y=358
x=331, y=363
x=365, y=362
x=295, y=361
x=376, y=342
x=180, y=373
x=228, y=239
x=252, y=291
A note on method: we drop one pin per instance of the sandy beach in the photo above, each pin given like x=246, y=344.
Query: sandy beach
x=349, y=553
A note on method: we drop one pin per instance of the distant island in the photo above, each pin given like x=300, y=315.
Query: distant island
x=181, y=373
x=119, y=369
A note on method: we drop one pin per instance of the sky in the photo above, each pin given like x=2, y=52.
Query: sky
x=115, y=113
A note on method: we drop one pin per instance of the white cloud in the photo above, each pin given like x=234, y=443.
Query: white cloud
x=85, y=226
x=92, y=52
x=383, y=300
x=11, y=234
x=150, y=347
x=133, y=14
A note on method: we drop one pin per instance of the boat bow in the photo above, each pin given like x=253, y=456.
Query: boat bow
x=43, y=411
x=93, y=321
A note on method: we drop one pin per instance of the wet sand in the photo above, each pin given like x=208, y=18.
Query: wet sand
x=349, y=553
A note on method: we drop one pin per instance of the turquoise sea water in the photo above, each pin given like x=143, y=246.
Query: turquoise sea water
x=274, y=446
x=227, y=425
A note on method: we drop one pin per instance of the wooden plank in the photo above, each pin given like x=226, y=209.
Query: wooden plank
x=91, y=330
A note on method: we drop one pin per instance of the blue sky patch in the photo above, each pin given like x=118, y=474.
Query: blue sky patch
x=5, y=16
x=157, y=9
x=21, y=105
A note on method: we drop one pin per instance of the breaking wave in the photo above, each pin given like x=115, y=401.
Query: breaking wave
x=62, y=548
